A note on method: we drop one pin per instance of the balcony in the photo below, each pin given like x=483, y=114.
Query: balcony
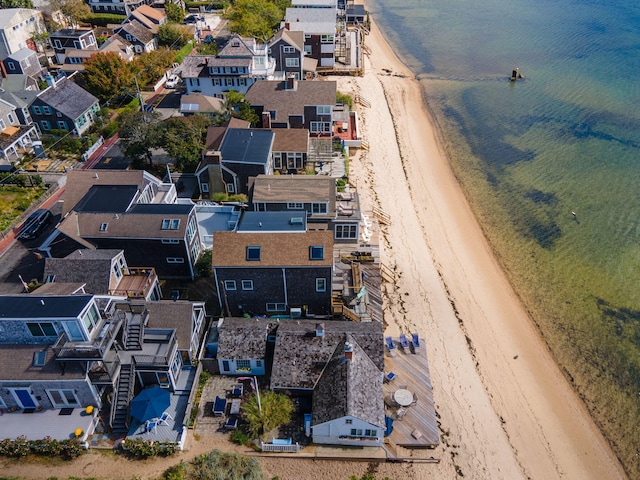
x=136, y=283
x=158, y=348
x=95, y=349
x=107, y=371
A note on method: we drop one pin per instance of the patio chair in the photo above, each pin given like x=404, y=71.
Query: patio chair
x=415, y=339
x=403, y=341
x=237, y=391
x=219, y=406
x=151, y=427
x=163, y=418
x=231, y=423
x=390, y=345
x=390, y=376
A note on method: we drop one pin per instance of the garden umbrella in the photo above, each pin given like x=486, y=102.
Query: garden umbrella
x=150, y=403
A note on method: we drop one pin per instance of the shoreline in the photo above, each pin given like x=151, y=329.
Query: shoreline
x=481, y=301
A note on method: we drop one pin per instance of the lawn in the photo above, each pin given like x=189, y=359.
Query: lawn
x=15, y=200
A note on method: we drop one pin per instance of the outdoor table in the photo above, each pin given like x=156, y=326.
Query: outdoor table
x=403, y=397
x=235, y=406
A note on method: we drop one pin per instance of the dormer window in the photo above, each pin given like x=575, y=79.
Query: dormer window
x=316, y=252
x=103, y=227
x=170, y=224
x=253, y=253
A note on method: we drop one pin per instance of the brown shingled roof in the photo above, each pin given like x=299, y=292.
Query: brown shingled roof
x=294, y=188
x=291, y=140
x=277, y=249
x=80, y=181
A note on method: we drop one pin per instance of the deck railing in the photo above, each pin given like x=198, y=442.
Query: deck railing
x=270, y=447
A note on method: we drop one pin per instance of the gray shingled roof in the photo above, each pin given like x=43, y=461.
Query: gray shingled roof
x=68, y=98
x=349, y=387
x=300, y=356
x=177, y=315
x=238, y=46
x=139, y=31
x=244, y=338
x=91, y=267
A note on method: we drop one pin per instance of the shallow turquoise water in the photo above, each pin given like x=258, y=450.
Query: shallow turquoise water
x=567, y=138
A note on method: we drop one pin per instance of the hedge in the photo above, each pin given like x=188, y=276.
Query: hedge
x=104, y=19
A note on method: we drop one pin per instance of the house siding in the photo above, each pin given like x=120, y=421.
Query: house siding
x=292, y=286
x=330, y=432
x=83, y=390
x=233, y=367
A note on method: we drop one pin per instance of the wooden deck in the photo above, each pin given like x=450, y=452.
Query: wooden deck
x=412, y=373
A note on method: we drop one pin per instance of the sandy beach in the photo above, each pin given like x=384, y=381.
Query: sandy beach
x=505, y=409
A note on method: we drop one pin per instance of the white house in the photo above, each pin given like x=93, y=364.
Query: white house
x=17, y=27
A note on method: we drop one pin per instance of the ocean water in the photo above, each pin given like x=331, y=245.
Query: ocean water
x=529, y=153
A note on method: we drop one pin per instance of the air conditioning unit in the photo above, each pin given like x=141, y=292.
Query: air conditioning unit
x=296, y=313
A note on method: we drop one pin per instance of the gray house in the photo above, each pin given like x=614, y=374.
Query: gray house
x=317, y=196
x=273, y=270
x=242, y=345
x=64, y=106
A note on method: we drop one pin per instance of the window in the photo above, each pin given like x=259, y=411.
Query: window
x=170, y=241
x=294, y=160
x=91, y=318
x=12, y=66
x=2, y=124
x=259, y=363
x=316, y=252
x=292, y=62
x=57, y=43
x=253, y=253
x=348, y=421
x=45, y=125
x=39, y=358
x=36, y=109
x=231, y=188
x=62, y=125
x=276, y=307
x=356, y=432
x=58, y=114
x=225, y=365
x=307, y=49
x=229, y=284
x=46, y=110
x=11, y=119
x=195, y=251
x=204, y=187
x=228, y=82
x=63, y=398
x=170, y=223
x=117, y=271
x=370, y=433
x=175, y=260
x=326, y=38
x=320, y=127
x=323, y=109
x=247, y=284
x=191, y=229
x=321, y=284
x=318, y=208
x=243, y=365
x=103, y=227
x=295, y=206
x=277, y=160
x=41, y=329
x=346, y=231
x=288, y=50
x=242, y=82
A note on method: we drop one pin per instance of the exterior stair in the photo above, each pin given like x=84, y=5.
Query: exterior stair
x=123, y=395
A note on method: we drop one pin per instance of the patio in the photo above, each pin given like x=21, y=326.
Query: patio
x=59, y=424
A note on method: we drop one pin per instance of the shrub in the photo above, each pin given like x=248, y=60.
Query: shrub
x=104, y=19
x=239, y=437
x=141, y=448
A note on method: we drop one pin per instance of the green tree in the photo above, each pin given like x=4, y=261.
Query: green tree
x=174, y=36
x=203, y=265
x=235, y=105
x=175, y=13
x=254, y=18
x=139, y=134
x=205, y=48
x=74, y=10
x=183, y=138
x=107, y=75
x=16, y=4
x=150, y=66
x=273, y=410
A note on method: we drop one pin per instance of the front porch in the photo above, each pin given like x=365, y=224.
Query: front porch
x=16, y=142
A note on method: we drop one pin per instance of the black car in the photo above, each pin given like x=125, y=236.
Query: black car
x=35, y=224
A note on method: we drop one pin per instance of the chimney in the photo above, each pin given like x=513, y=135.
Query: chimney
x=287, y=26
x=291, y=84
x=50, y=80
x=320, y=330
x=266, y=120
x=348, y=351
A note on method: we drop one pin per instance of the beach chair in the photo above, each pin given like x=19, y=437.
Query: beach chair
x=390, y=345
x=237, y=390
x=403, y=341
x=219, y=406
x=231, y=423
x=415, y=339
x=163, y=418
x=151, y=426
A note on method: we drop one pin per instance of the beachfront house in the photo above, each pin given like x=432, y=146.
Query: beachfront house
x=272, y=266
x=242, y=345
x=295, y=104
x=324, y=207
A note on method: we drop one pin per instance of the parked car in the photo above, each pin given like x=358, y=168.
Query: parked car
x=172, y=82
x=35, y=224
x=189, y=19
